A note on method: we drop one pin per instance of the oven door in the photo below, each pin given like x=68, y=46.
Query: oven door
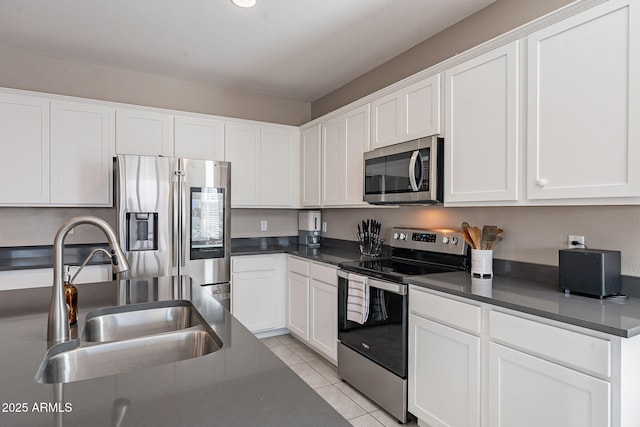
x=404, y=173
x=382, y=338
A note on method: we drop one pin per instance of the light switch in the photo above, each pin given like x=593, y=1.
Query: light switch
x=263, y=225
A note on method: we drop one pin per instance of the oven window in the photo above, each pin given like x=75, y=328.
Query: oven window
x=383, y=337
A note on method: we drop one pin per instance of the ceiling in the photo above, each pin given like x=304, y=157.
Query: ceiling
x=295, y=49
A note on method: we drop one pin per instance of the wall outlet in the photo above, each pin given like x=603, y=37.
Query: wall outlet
x=579, y=239
x=263, y=225
x=324, y=226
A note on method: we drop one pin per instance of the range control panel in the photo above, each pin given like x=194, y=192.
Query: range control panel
x=434, y=240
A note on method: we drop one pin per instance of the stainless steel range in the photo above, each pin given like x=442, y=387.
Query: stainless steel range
x=373, y=311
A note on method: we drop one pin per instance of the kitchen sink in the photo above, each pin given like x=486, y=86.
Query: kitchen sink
x=131, y=321
x=126, y=338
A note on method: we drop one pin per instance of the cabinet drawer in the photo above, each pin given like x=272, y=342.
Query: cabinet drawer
x=570, y=348
x=253, y=263
x=299, y=266
x=444, y=310
x=323, y=273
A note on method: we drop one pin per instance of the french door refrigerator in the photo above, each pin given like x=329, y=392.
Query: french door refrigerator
x=174, y=219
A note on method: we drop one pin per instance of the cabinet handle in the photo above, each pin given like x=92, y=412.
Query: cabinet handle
x=541, y=183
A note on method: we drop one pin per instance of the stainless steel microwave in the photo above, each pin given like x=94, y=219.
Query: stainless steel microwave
x=405, y=173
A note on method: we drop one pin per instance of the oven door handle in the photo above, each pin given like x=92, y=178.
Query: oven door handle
x=394, y=288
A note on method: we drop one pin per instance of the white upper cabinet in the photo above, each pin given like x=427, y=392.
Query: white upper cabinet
x=584, y=105
x=279, y=167
x=242, y=149
x=409, y=113
x=82, y=148
x=61, y=152
x=386, y=117
x=344, y=141
x=481, y=128
x=147, y=133
x=24, y=139
x=421, y=109
x=264, y=165
x=310, y=150
x=199, y=138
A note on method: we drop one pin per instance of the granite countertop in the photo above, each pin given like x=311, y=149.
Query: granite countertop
x=242, y=384
x=540, y=299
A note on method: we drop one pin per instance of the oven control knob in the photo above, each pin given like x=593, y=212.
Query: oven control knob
x=445, y=239
x=403, y=236
x=396, y=235
x=453, y=240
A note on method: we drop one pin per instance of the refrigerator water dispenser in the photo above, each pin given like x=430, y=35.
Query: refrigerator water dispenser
x=142, y=231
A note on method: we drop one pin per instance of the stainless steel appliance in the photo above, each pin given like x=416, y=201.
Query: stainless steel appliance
x=174, y=219
x=406, y=173
x=309, y=227
x=372, y=356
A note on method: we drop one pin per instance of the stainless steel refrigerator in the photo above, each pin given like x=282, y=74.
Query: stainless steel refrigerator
x=174, y=219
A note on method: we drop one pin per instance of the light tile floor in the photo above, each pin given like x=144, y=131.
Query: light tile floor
x=322, y=376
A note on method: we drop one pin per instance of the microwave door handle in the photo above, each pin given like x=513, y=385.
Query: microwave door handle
x=415, y=184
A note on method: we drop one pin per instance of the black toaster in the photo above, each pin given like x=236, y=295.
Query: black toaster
x=591, y=272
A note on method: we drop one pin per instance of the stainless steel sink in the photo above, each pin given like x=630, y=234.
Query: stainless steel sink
x=130, y=321
x=71, y=361
x=125, y=338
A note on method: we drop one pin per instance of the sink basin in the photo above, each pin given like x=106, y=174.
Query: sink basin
x=71, y=361
x=131, y=321
x=125, y=338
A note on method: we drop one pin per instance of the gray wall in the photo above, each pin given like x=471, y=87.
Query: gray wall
x=38, y=226
x=493, y=20
x=20, y=70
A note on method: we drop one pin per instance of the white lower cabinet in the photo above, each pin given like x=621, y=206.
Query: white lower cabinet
x=257, y=291
x=528, y=391
x=312, y=305
x=475, y=364
x=444, y=365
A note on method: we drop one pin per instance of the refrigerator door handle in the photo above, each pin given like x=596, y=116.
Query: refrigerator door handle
x=186, y=206
x=175, y=192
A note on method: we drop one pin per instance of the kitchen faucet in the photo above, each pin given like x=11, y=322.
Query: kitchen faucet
x=58, y=324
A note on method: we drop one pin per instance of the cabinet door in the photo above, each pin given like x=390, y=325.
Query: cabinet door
x=323, y=328
x=242, y=149
x=82, y=147
x=144, y=133
x=278, y=168
x=356, y=143
x=310, y=161
x=298, y=305
x=444, y=374
x=385, y=121
x=526, y=391
x=421, y=109
x=253, y=299
x=333, y=162
x=24, y=139
x=199, y=138
x=481, y=128
x=584, y=104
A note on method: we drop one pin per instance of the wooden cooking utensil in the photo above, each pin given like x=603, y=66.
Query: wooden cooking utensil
x=476, y=236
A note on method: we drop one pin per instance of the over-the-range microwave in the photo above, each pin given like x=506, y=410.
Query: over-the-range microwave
x=407, y=173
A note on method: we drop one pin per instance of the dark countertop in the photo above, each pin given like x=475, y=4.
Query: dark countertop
x=31, y=257
x=331, y=251
x=242, y=384
x=540, y=299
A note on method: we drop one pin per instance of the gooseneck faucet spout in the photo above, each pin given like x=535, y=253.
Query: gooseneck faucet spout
x=58, y=325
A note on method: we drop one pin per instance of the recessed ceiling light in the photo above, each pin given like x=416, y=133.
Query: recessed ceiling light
x=244, y=3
